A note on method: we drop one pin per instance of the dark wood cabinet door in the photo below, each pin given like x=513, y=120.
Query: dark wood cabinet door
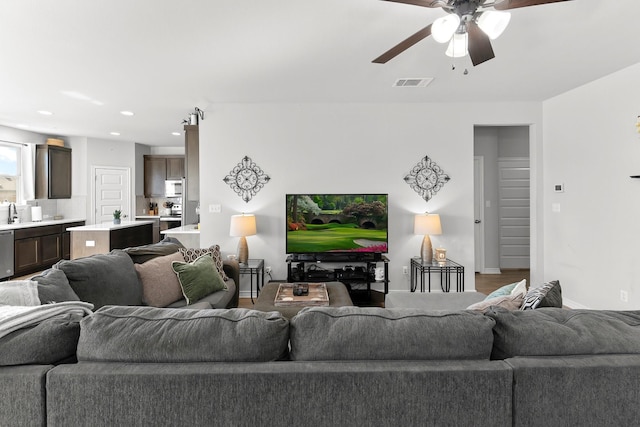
x=53, y=172
x=175, y=167
x=26, y=255
x=155, y=173
x=50, y=249
x=59, y=173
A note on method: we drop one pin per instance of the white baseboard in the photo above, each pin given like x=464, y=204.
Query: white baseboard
x=574, y=305
x=491, y=271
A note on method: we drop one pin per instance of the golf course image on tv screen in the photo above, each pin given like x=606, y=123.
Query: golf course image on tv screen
x=318, y=223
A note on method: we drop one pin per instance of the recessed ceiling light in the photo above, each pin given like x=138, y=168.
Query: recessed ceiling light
x=176, y=133
x=115, y=133
x=126, y=113
x=45, y=113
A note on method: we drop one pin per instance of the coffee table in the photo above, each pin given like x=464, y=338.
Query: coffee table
x=338, y=297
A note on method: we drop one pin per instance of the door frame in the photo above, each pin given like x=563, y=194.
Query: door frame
x=478, y=195
x=94, y=177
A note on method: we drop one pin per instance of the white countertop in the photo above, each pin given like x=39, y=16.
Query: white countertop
x=160, y=217
x=108, y=226
x=42, y=223
x=185, y=229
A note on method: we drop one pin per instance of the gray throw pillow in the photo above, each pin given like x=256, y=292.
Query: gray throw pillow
x=53, y=286
x=105, y=279
x=553, y=298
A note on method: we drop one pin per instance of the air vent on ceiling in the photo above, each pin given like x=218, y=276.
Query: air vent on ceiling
x=423, y=82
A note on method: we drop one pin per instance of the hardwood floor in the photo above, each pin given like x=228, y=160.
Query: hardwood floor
x=487, y=283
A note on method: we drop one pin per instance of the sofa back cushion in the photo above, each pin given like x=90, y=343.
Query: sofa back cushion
x=356, y=333
x=53, y=286
x=142, y=254
x=105, y=279
x=49, y=342
x=149, y=334
x=561, y=332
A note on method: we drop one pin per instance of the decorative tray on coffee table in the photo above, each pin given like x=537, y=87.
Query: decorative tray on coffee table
x=317, y=295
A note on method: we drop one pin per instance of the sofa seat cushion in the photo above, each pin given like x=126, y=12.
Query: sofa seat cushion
x=104, y=279
x=149, y=334
x=49, y=342
x=356, y=333
x=160, y=286
x=221, y=299
x=560, y=332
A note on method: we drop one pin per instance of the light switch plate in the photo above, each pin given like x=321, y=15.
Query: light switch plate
x=215, y=208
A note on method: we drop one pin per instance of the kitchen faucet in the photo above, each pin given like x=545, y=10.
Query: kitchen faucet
x=13, y=217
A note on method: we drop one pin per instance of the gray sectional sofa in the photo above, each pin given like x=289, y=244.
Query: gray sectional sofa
x=342, y=366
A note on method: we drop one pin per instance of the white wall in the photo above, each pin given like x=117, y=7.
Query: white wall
x=343, y=148
x=591, y=145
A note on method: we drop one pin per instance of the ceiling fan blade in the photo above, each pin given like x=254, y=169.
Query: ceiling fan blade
x=480, y=49
x=423, y=3
x=403, y=45
x=513, y=4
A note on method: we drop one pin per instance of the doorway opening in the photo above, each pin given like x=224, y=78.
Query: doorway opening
x=502, y=202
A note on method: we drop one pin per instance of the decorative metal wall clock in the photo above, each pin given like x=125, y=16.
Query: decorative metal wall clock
x=246, y=179
x=426, y=178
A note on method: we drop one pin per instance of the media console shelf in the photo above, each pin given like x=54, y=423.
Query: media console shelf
x=350, y=269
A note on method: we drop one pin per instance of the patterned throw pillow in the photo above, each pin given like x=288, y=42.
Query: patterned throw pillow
x=535, y=296
x=192, y=254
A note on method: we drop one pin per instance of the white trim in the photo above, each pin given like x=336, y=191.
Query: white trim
x=574, y=305
x=490, y=271
x=479, y=258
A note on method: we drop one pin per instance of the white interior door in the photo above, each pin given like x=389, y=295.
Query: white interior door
x=478, y=206
x=111, y=192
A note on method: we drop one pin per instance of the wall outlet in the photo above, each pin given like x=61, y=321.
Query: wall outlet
x=267, y=269
x=624, y=296
x=405, y=270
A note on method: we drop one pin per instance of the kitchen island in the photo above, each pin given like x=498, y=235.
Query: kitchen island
x=102, y=238
x=189, y=235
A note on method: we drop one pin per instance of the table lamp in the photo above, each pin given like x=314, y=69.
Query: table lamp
x=242, y=226
x=427, y=224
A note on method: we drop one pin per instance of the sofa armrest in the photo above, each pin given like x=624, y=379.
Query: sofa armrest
x=232, y=269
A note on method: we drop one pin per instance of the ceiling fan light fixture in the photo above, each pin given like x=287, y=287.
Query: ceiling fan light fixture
x=493, y=22
x=458, y=46
x=443, y=28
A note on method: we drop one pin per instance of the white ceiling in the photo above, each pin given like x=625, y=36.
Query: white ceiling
x=86, y=61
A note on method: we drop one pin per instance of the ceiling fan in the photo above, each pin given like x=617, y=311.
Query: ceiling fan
x=469, y=26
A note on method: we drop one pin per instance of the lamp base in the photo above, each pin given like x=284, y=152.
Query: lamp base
x=426, y=251
x=243, y=250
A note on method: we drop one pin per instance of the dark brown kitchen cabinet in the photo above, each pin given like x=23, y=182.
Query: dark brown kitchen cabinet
x=157, y=169
x=38, y=248
x=53, y=172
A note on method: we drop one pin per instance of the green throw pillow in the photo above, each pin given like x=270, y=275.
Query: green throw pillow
x=198, y=278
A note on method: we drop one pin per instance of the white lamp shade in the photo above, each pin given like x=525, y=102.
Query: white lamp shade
x=443, y=28
x=426, y=224
x=243, y=225
x=494, y=22
x=458, y=46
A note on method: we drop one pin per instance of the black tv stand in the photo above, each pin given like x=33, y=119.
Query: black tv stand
x=336, y=257
x=308, y=268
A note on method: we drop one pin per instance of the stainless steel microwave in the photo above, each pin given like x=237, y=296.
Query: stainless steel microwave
x=173, y=188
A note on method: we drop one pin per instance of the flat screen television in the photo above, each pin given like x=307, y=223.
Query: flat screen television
x=336, y=223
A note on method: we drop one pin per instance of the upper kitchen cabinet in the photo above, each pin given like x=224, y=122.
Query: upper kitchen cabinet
x=53, y=172
x=192, y=152
x=157, y=169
